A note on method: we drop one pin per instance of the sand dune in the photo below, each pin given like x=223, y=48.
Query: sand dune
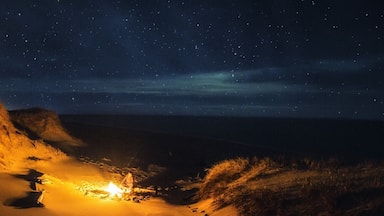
x=44, y=124
x=38, y=179
x=45, y=170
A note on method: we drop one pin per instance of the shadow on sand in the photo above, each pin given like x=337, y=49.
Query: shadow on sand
x=29, y=201
x=32, y=177
x=32, y=198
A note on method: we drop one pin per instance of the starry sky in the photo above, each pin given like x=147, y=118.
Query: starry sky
x=263, y=58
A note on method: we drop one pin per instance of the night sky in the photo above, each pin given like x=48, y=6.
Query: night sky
x=287, y=58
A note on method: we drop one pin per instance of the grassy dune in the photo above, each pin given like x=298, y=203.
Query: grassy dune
x=296, y=187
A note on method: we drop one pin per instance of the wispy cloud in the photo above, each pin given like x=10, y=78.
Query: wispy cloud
x=314, y=87
x=223, y=82
x=202, y=84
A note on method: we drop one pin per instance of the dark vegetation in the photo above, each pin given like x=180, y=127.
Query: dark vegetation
x=296, y=187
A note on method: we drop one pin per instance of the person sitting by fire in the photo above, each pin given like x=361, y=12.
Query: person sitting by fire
x=127, y=183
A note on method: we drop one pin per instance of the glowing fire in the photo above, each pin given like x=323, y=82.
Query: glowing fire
x=113, y=190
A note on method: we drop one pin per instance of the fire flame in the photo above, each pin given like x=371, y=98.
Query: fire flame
x=113, y=190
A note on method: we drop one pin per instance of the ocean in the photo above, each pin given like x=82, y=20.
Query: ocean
x=320, y=137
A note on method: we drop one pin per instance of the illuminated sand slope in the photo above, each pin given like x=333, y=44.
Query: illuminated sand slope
x=37, y=179
x=62, y=195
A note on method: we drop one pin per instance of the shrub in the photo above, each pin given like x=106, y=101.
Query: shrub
x=221, y=174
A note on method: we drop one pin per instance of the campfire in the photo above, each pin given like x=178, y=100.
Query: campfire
x=123, y=191
x=114, y=191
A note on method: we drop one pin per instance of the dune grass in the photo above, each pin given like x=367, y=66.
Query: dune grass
x=296, y=187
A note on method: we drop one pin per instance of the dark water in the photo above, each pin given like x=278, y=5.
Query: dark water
x=352, y=138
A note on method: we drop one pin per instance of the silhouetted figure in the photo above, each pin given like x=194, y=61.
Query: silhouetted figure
x=127, y=183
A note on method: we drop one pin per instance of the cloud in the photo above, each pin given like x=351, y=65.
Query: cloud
x=197, y=84
x=274, y=83
x=319, y=75
x=212, y=93
x=303, y=90
x=346, y=66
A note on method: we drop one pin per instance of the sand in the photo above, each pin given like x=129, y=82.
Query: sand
x=63, y=195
